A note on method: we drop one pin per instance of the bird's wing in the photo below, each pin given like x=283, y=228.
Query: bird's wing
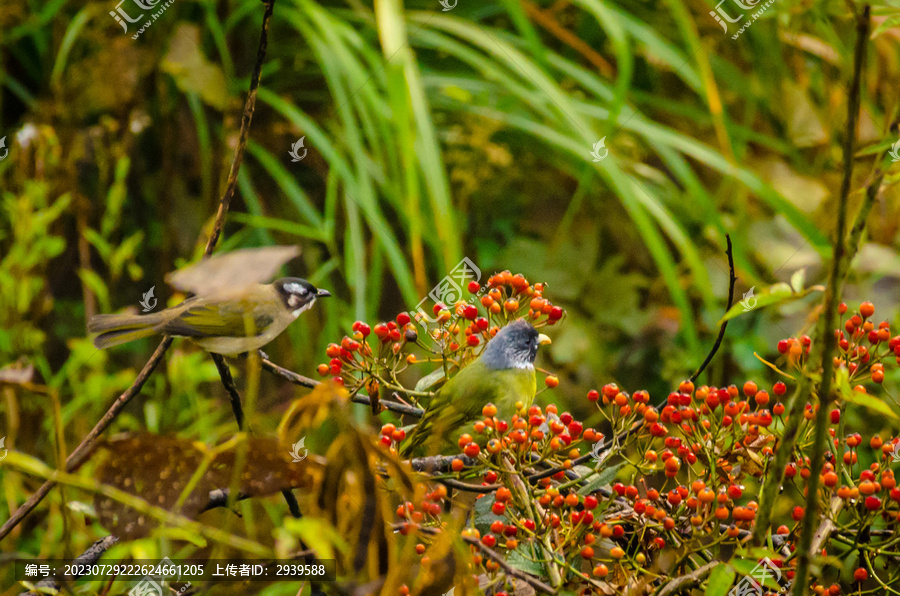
x=462, y=398
x=216, y=319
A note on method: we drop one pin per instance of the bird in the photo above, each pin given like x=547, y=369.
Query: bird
x=502, y=375
x=224, y=322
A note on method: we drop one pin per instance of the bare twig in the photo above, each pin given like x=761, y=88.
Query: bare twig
x=547, y=20
x=249, y=108
x=298, y=379
x=674, y=586
x=731, y=282
x=230, y=388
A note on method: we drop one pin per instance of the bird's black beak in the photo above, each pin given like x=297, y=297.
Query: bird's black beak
x=321, y=293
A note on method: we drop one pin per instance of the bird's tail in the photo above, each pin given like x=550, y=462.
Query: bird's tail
x=120, y=329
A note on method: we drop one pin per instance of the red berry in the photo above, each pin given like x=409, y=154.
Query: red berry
x=835, y=416
x=866, y=309
x=780, y=388
x=474, y=287
x=402, y=319
x=873, y=503
x=593, y=395
x=556, y=313
x=860, y=574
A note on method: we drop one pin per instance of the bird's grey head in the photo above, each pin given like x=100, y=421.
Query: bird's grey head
x=298, y=294
x=514, y=346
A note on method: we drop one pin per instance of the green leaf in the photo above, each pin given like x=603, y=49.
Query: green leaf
x=861, y=399
x=520, y=560
x=181, y=534
x=600, y=479
x=429, y=380
x=889, y=23
x=484, y=517
x=798, y=279
x=779, y=293
x=318, y=535
x=720, y=580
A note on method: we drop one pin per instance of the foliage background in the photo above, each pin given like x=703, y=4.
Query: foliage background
x=432, y=135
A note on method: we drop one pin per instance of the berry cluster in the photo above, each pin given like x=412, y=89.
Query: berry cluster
x=454, y=336
x=684, y=477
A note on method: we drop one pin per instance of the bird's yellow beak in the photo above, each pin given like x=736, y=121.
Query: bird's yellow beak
x=543, y=340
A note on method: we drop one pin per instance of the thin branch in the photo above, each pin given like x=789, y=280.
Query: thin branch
x=230, y=388
x=249, y=108
x=509, y=569
x=731, y=283
x=494, y=556
x=680, y=583
x=547, y=20
x=825, y=340
x=298, y=379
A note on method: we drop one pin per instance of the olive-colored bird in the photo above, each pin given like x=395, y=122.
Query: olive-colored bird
x=226, y=323
x=502, y=375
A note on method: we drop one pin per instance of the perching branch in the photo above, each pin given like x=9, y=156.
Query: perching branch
x=302, y=381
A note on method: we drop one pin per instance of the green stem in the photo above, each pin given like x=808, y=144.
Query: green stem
x=826, y=342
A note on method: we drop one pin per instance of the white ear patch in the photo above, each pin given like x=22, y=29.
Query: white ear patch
x=294, y=288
